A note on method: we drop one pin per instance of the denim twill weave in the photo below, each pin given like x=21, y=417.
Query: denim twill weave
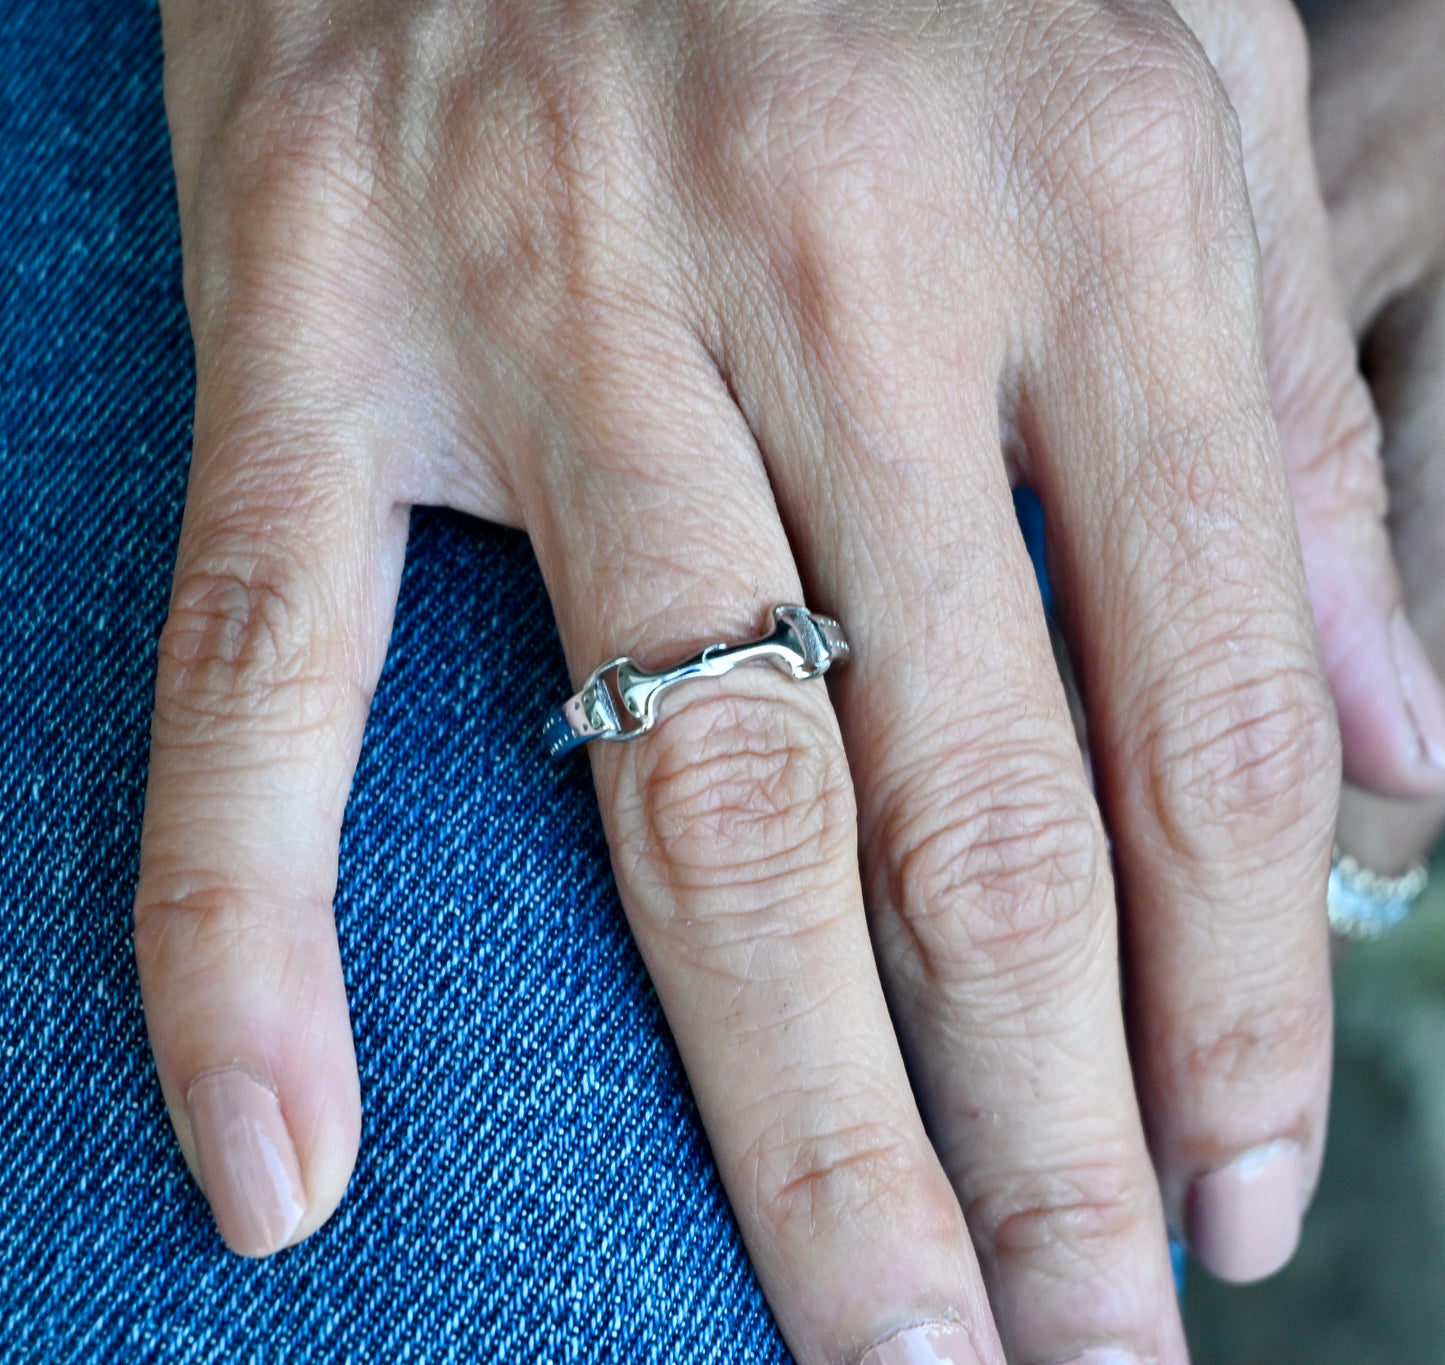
x=533, y=1183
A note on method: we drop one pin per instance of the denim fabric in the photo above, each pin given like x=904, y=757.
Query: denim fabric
x=533, y=1182
x=1030, y=512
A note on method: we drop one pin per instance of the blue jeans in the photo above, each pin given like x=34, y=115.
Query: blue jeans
x=533, y=1182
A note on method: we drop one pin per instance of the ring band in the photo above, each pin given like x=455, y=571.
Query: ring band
x=1365, y=904
x=619, y=701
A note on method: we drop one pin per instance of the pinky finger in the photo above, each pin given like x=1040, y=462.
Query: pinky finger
x=1406, y=359
x=1390, y=701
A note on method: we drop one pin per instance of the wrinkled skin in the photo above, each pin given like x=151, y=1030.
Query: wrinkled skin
x=1378, y=110
x=730, y=303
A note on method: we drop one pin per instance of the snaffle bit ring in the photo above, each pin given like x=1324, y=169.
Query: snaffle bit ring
x=620, y=699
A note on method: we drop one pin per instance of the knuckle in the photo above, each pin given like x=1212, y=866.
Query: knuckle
x=1247, y=765
x=810, y=1184
x=311, y=121
x=1165, y=111
x=1269, y=1036
x=577, y=169
x=175, y=914
x=191, y=924
x=1074, y=1217
x=842, y=159
x=1001, y=870
x=1140, y=136
x=247, y=641
x=297, y=196
x=837, y=152
x=828, y=121
x=732, y=795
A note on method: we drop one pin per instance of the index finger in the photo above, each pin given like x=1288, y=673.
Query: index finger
x=286, y=575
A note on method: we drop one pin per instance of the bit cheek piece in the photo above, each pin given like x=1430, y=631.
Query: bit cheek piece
x=620, y=699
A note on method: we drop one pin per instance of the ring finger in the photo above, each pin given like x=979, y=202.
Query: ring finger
x=734, y=843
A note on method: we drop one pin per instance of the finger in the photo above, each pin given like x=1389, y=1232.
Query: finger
x=1390, y=702
x=984, y=859
x=1406, y=360
x=1176, y=573
x=733, y=839
x=285, y=579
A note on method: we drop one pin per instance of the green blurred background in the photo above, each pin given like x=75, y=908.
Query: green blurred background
x=1368, y=1285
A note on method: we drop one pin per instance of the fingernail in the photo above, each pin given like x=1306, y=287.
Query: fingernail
x=248, y=1164
x=1244, y=1219
x=934, y=1343
x=1420, y=689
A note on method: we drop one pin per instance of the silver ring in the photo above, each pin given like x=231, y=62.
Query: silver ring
x=1365, y=904
x=619, y=701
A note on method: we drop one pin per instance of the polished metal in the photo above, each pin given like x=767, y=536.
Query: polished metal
x=1364, y=904
x=619, y=700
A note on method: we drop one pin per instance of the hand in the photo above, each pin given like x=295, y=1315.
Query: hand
x=1379, y=117
x=723, y=302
